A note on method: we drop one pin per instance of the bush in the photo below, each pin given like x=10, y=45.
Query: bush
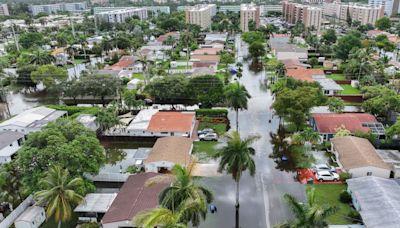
x=344, y=176
x=354, y=216
x=212, y=112
x=71, y=110
x=132, y=169
x=345, y=197
x=90, y=225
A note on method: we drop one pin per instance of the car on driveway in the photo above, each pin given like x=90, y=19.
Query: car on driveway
x=205, y=131
x=323, y=167
x=208, y=137
x=326, y=176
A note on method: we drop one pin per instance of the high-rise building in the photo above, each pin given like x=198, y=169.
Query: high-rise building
x=391, y=7
x=54, y=8
x=4, y=10
x=308, y=15
x=121, y=15
x=200, y=14
x=365, y=14
x=249, y=13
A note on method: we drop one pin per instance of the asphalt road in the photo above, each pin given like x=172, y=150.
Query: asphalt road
x=261, y=196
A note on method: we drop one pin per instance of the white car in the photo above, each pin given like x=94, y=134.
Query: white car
x=209, y=137
x=323, y=167
x=327, y=176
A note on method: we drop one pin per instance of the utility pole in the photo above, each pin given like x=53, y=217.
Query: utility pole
x=72, y=27
x=15, y=38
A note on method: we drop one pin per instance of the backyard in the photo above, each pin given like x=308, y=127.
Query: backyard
x=337, y=77
x=138, y=76
x=328, y=194
x=349, y=90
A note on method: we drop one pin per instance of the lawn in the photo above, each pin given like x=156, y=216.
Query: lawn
x=219, y=128
x=336, y=76
x=329, y=194
x=207, y=148
x=221, y=76
x=138, y=76
x=183, y=67
x=349, y=90
x=221, y=66
x=79, y=61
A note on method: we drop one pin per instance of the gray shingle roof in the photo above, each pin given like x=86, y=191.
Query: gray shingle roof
x=8, y=137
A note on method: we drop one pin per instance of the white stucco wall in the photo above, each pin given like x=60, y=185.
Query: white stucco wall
x=153, y=166
x=377, y=172
x=10, y=149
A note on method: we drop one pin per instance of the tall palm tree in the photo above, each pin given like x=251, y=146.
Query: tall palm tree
x=308, y=215
x=59, y=194
x=39, y=57
x=310, y=136
x=182, y=189
x=236, y=157
x=237, y=97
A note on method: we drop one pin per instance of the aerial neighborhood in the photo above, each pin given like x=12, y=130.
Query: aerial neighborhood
x=194, y=113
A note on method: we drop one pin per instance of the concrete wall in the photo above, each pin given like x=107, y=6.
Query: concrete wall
x=10, y=149
x=153, y=166
x=361, y=172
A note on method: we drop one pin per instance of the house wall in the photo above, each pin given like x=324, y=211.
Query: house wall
x=125, y=223
x=10, y=149
x=361, y=172
x=17, y=129
x=153, y=166
x=34, y=222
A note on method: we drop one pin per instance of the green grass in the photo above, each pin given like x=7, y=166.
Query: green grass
x=221, y=76
x=220, y=66
x=79, y=61
x=328, y=194
x=349, y=90
x=183, y=67
x=219, y=128
x=336, y=76
x=138, y=76
x=207, y=148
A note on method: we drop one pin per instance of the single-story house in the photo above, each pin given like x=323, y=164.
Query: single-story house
x=31, y=120
x=165, y=36
x=392, y=158
x=346, y=109
x=216, y=38
x=133, y=84
x=167, y=152
x=127, y=63
x=94, y=206
x=207, y=51
x=32, y=217
x=358, y=157
x=327, y=124
x=133, y=197
x=282, y=49
x=329, y=86
x=205, y=58
x=10, y=142
x=294, y=64
x=377, y=200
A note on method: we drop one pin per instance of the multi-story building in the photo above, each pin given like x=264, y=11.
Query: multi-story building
x=54, y=8
x=4, y=10
x=391, y=7
x=308, y=15
x=121, y=15
x=99, y=2
x=200, y=14
x=248, y=13
x=365, y=14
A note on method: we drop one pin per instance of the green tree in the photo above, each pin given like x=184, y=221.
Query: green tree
x=100, y=86
x=380, y=100
x=313, y=61
x=257, y=50
x=24, y=75
x=383, y=23
x=252, y=25
x=329, y=36
x=106, y=119
x=251, y=37
x=335, y=105
x=59, y=194
x=129, y=97
x=182, y=190
x=168, y=89
x=64, y=143
x=40, y=57
x=309, y=214
x=49, y=75
x=346, y=43
x=207, y=89
x=393, y=130
x=11, y=186
x=72, y=89
x=235, y=158
x=236, y=96
x=31, y=39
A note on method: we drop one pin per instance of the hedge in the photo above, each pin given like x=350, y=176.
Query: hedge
x=212, y=112
x=72, y=110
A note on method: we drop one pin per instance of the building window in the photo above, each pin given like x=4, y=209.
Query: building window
x=369, y=173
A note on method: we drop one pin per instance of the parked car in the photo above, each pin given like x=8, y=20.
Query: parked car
x=326, y=176
x=205, y=131
x=323, y=167
x=209, y=137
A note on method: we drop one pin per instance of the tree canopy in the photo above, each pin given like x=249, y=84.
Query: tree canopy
x=383, y=23
x=208, y=90
x=346, y=43
x=168, y=89
x=49, y=75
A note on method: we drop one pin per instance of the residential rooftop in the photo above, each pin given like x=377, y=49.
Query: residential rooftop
x=173, y=149
x=96, y=202
x=171, y=122
x=8, y=137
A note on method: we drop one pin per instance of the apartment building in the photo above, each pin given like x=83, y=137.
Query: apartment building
x=391, y=7
x=4, y=10
x=365, y=14
x=54, y=8
x=248, y=13
x=308, y=15
x=121, y=15
x=200, y=14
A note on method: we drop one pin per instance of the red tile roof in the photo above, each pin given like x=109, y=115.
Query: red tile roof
x=205, y=58
x=133, y=197
x=330, y=122
x=124, y=62
x=171, y=122
x=203, y=64
x=208, y=51
x=304, y=74
x=164, y=37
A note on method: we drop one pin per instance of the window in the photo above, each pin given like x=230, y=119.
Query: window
x=369, y=173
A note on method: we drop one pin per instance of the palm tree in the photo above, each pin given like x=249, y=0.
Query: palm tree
x=236, y=157
x=183, y=189
x=310, y=136
x=58, y=194
x=41, y=58
x=310, y=214
x=237, y=97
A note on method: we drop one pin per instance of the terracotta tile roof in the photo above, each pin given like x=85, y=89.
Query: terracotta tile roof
x=357, y=152
x=208, y=51
x=304, y=74
x=203, y=64
x=172, y=149
x=133, y=197
x=162, y=38
x=124, y=62
x=171, y=122
x=293, y=64
x=205, y=58
x=330, y=122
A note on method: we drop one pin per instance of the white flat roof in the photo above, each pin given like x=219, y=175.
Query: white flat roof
x=142, y=119
x=30, y=214
x=96, y=202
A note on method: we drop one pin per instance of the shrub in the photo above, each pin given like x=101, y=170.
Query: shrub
x=90, y=225
x=344, y=176
x=132, y=169
x=71, y=110
x=212, y=112
x=345, y=197
x=354, y=216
